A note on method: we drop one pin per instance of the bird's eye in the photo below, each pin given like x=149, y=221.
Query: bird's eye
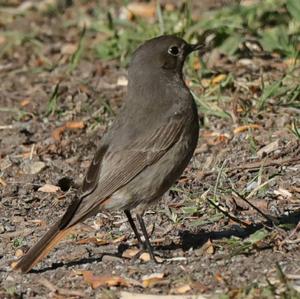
x=174, y=50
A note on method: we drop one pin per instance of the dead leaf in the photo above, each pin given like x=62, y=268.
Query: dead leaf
x=208, y=248
x=14, y=264
x=218, y=79
x=214, y=138
x=24, y=102
x=214, y=81
x=104, y=280
x=56, y=133
x=118, y=240
x=245, y=128
x=74, y=125
x=69, y=49
x=219, y=278
x=241, y=204
x=152, y=279
x=48, y=188
x=2, y=182
x=146, y=10
x=130, y=252
x=182, y=289
x=197, y=64
x=261, y=204
x=19, y=253
x=39, y=61
x=145, y=257
x=37, y=221
x=269, y=148
x=84, y=89
x=2, y=39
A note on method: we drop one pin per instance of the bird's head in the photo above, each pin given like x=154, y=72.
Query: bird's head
x=166, y=53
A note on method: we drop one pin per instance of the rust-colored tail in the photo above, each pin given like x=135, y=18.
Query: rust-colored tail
x=42, y=247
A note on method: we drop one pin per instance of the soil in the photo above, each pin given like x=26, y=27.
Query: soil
x=203, y=249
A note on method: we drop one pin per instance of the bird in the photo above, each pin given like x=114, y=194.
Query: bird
x=143, y=153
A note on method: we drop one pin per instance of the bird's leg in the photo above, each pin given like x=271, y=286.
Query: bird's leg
x=147, y=241
x=133, y=226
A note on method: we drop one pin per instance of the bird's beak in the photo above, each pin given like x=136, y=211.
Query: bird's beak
x=197, y=47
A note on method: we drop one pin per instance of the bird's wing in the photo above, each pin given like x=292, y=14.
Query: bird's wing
x=90, y=181
x=110, y=170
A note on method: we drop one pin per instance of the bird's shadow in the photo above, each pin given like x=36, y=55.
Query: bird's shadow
x=196, y=240
x=188, y=240
x=83, y=261
x=87, y=260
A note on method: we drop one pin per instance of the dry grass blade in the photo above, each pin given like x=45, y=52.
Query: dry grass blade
x=269, y=218
x=230, y=216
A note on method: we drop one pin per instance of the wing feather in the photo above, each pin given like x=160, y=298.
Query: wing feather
x=117, y=168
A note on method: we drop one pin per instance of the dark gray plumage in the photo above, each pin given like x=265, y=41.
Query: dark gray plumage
x=144, y=152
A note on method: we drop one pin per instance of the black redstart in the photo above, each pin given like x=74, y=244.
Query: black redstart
x=144, y=152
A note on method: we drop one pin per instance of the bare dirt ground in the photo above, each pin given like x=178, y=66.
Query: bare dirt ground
x=57, y=98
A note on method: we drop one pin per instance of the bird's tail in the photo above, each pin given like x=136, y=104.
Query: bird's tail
x=42, y=247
